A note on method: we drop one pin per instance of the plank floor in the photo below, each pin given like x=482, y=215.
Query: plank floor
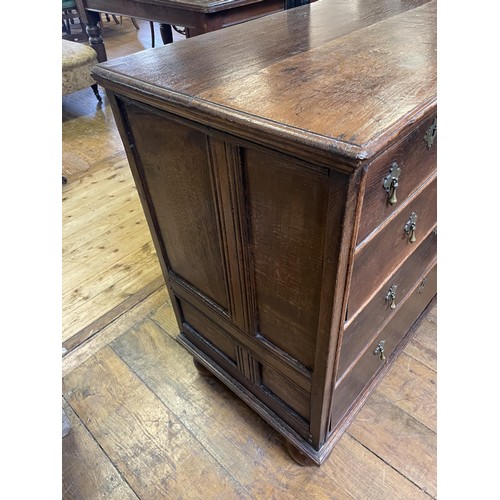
x=145, y=424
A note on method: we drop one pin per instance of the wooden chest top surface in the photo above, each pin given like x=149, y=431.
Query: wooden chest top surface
x=345, y=77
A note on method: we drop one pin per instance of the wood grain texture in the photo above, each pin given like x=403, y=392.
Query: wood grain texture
x=401, y=81
x=112, y=315
x=349, y=387
x=376, y=95
x=373, y=477
x=210, y=330
x=106, y=334
x=181, y=199
x=87, y=471
x=383, y=427
x=290, y=36
x=232, y=433
x=107, y=254
x=403, y=277
x=410, y=386
x=389, y=245
x=196, y=16
x=117, y=284
x=209, y=193
x=194, y=5
x=378, y=311
x=286, y=242
x=89, y=287
x=416, y=164
x=165, y=317
x=259, y=464
x=152, y=448
x=423, y=347
x=241, y=441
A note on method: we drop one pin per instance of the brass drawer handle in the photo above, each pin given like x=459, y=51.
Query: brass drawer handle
x=379, y=351
x=391, y=183
x=410, y=227
x=391, y=296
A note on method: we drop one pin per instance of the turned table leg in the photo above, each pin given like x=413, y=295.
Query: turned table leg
x=166, y=33
x=95, y=89
x=94, y=33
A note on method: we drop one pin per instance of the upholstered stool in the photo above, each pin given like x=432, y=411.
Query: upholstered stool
x=77, y=61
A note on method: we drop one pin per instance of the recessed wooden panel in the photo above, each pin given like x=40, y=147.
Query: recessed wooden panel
x=174, y=165
x=287, y=391
x=209, y=330
x=287, y=206
x=239, y=382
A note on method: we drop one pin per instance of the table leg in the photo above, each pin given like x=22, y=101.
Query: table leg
x=94, y=33
x=166, y=33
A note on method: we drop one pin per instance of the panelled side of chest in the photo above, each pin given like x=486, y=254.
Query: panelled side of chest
x=393, y=270
x=258, y=249
x=250, y=241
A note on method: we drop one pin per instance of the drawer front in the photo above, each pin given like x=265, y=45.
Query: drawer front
x=382, y=307
x=415, y=163
x=374, y=261
x=353, y=383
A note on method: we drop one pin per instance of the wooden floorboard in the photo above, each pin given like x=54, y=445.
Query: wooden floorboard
x=410, y=385
x=111, y=331
x=398, y=439
x=145, y=424
x=87, y=470
x=93, y=328
x=240, y=439
x=155, y=453
x=108, y=258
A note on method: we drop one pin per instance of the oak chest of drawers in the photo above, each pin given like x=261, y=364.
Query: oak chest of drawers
x=287, y=169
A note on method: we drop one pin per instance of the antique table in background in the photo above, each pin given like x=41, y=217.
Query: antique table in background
x=197, y=16
x=287, y=169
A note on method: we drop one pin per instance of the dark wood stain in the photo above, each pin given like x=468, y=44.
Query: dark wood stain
x=286, y=241
x=180, y=190
x=259, y=185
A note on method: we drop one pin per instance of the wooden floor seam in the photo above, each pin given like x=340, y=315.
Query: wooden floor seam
x=145, y=383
